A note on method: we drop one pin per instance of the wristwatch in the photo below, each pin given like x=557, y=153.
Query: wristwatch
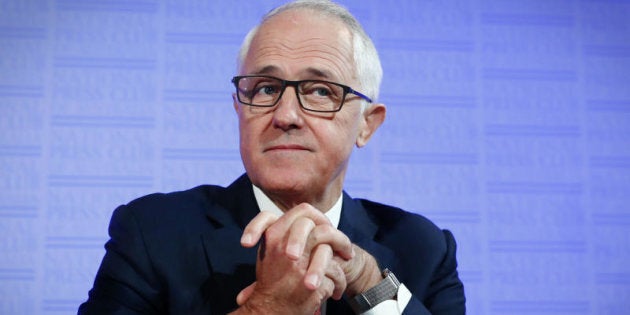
x=384, y=290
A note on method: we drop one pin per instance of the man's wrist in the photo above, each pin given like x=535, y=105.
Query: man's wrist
x=370, y=275
x=386, y=289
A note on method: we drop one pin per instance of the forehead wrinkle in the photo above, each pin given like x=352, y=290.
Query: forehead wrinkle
x=334, y=56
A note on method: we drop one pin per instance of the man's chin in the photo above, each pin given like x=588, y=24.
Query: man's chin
x=281, y=181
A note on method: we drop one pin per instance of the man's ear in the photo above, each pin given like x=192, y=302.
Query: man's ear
x=373, y=117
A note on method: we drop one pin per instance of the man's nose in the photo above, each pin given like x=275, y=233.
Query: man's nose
x=288, y=112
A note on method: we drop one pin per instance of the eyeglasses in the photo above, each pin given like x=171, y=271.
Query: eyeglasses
x=313, y=95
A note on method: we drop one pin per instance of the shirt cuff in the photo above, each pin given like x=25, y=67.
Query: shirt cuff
x=391, y=307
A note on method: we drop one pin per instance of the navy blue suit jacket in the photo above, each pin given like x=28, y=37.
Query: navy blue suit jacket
x=180, y=253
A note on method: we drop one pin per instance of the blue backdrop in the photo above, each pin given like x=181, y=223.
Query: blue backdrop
x=508, y=123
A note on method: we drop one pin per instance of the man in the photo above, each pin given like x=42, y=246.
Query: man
x=211, y=250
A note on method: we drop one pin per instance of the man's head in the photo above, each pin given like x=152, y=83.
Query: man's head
x=293, y=154
x=366, y=60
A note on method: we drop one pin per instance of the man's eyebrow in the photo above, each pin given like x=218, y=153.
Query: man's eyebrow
x=324, y=74
x=310, y=72
x=270, y=69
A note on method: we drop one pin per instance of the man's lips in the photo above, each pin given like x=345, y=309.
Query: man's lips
x=287, y=147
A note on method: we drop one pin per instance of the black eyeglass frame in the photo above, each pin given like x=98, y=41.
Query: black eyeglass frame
x=295, y=84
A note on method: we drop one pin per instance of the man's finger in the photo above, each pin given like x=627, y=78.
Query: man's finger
x=244, y=295
x=256, y=227
x=339, y=242
x=306, y=210
x=320, y=259
x=298, y=237
x=324, y=270
x=338, y=277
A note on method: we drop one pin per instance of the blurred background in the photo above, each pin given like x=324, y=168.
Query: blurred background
x=508, y=123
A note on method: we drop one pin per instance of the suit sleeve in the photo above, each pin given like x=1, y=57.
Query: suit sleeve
x=125, y=282
x=445, y=295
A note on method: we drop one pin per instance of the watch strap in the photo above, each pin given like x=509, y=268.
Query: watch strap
x=384, y=290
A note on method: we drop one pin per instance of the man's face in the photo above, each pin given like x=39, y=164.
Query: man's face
x=293, y=154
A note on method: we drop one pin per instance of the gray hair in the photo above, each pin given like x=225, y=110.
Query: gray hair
x=367, y=63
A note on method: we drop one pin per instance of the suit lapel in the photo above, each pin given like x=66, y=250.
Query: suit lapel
x=232, y=266
x=363, y=231
x=234, y=205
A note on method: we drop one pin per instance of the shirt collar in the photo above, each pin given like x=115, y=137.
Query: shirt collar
x=265, y=204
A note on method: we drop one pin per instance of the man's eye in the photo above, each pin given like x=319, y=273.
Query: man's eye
x=321, y=91
x=318, y=90
x=267, y=90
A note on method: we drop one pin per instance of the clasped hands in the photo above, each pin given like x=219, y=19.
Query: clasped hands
x=302, y=261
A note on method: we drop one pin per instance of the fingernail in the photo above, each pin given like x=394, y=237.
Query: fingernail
x=313, y=280
x=246, y=239
x=293, y=251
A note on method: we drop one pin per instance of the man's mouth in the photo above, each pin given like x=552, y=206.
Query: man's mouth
x=287, y=147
